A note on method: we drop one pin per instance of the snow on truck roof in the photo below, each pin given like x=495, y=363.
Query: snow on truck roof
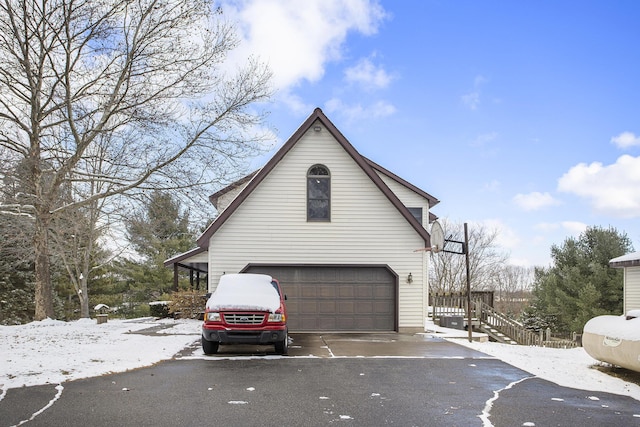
x=245, y=291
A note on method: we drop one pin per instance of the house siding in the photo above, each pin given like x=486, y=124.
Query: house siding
x=631, y=288
x=408, y=197
x=271, y=226
x=225, y=200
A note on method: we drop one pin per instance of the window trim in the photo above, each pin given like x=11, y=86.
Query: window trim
x=328, y=178
x=414, y=212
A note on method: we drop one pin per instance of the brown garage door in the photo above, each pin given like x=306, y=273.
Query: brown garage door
x=336, y=298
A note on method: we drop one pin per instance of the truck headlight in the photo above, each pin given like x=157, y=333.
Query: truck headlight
x=212, y=316
x=276, y=317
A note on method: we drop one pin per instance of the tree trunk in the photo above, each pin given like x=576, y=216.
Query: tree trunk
x=84, y=296
x=43, y=289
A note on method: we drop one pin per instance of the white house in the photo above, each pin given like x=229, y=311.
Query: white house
x=338, y=231
x=631, y=265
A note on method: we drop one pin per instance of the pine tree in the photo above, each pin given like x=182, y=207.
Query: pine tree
x=157, y=232
x=580, y=284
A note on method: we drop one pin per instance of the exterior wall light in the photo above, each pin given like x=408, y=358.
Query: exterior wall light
x=410, y=278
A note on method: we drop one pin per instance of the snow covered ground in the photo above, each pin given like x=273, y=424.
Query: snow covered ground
x=51, y=352
x=566, y=367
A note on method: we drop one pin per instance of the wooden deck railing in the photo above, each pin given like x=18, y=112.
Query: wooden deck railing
x=509, y=327
x=483, y=314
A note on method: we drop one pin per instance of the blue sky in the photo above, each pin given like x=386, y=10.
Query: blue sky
x=523, y=116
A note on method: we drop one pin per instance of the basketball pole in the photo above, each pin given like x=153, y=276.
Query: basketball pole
x=466, y=255
x=465, y=252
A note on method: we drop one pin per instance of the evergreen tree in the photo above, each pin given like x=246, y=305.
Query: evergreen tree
x=580, y=284
x=157, y=232
x=16, y=270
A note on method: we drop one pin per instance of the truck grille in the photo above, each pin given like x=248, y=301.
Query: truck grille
x=243, y=319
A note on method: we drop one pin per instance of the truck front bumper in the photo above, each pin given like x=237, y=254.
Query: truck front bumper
x=244, y=337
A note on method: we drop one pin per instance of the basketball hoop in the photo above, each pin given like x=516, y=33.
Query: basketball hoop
x=437, y=239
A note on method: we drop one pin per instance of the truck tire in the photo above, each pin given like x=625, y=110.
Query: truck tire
x=282, y=347
x=209, y=347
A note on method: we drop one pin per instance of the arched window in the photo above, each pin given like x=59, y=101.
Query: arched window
x=318, y=193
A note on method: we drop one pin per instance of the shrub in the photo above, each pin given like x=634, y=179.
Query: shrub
x=159, y=309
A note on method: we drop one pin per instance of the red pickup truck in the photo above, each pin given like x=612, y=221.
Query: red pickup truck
x=246, y=309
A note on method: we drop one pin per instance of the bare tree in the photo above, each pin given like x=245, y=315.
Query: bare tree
x=513, y=286
x=141, y=85
x=448, y=270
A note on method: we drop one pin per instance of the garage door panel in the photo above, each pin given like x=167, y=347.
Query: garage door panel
x=328, y=275
x=345, y=324
x=381, y=324
x=345, y=291
x=325, y=291
x=382, y=292
x=325, y=324
x=366, y=275
x=304, y=306
x=306, y=291
x=326, y=307
x=346, y=308
x=348, y=275
x=364, y=292
x=365, y=323
x=383, y=307
x=336, y=298
x=364, y=307
x=310, y=323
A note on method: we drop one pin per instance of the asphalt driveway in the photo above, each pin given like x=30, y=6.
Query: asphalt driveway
x=357, y=345
x=328, y=379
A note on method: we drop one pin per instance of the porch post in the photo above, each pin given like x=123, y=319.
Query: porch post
x=175, y=277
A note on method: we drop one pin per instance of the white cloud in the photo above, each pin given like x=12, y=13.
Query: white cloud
x=507, y=237
x=358, y=112
x=492, y=186
x=575, y=228
x=612, y=189
x=484, y=139
x=534, y=201
x=547, y=227
x=472, y=99
x=369, y=75
x=297, y=39
x=295, y=103
x=626, y=140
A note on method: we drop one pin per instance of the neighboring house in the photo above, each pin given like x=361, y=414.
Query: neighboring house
x=337, y=230
x=631, y=265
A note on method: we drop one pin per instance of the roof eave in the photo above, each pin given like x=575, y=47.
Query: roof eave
x=203, y=240
x=185, y=255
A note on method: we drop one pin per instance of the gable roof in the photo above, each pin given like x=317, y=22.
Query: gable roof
x=628, y=260
x=432, y=200
x=362, y=162
x=236, y=184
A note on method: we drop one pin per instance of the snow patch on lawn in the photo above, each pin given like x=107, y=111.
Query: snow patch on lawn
x=52, y=351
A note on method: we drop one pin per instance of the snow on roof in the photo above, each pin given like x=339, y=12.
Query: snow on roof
x=615, y=327
x=625, y=259
x=245, y=291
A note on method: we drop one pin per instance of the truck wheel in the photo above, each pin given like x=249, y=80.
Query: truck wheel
x=209, y=347
x=282, y=347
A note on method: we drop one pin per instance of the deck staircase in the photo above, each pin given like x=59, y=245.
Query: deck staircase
x=484, y=318
x=502, y=328
x=496, y=335
x=498, y=326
